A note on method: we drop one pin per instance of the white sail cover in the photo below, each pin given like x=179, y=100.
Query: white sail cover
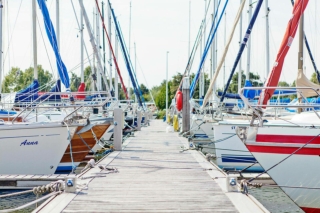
x=303, y=81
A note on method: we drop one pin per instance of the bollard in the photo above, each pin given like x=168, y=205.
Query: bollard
x=117, y=131
x=186, y=105
x=231, y=183
x=139, y=118
x=70, y=184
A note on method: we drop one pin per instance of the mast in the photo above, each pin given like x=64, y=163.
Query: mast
x=223, y=56
x=111, y=49
x=224, y=41
x=110, y=54
x=115, y=68
x=242, y=46
x=135, y=65
x=267, y=39
x=240, y=67
x=201, y=83
x=103, y=43
x=189, y=27
x=300, y=53
x=58, y=22
x=99, y=75
x=211, y=51
x=129, y=49
x=274, y=75
x=95, y=48
x=34, y=39
x=93, y=56
x=167, y=86
x=81, y=46
x=1, y=52
x=249, y=44
x=215, y=51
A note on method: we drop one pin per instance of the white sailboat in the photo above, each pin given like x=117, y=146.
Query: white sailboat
x=289, y=151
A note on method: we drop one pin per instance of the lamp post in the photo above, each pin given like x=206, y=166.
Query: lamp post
x=167, y=87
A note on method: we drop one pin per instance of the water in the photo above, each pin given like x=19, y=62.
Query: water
x=272, y=198
x=275, y=200
x=16, y=201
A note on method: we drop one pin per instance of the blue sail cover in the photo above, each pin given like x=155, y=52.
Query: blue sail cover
x=257, y=94
x=28, y=94
x=55, y=88
x=62, y=70
x=249, y=93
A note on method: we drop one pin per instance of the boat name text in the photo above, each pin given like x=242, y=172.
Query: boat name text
x=26, y=143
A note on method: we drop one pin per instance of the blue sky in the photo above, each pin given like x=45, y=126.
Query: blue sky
x=156, y=27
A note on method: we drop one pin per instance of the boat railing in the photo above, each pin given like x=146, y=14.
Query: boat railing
x=41, y=103
x=303, y=102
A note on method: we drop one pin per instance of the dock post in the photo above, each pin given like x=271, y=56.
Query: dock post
x=186, y=105
x=118, y=126
x=139, y=118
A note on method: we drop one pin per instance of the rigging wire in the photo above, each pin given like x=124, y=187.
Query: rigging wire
x=45, y=46
x=285, y=158
x=10, y=37
x=144, y=77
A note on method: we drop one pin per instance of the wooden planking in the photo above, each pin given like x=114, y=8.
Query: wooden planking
x=154, y=176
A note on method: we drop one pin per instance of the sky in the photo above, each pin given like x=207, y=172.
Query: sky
x=157, y=27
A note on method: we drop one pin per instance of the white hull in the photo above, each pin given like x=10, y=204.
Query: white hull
x=299, y=175
x=32, y=148
x=201, y=129
x=231, y=153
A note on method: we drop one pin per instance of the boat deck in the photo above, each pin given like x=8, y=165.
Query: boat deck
x=154, y=176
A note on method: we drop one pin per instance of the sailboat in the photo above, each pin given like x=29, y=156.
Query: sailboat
x=289, y=151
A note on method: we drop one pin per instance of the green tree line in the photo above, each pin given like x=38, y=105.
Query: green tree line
x=18, y=79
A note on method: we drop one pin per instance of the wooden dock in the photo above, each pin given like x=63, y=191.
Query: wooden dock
x=154, y=176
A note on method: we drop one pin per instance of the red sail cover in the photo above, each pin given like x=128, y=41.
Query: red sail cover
x=274, y=75
x=81, y=90
x=179, y=100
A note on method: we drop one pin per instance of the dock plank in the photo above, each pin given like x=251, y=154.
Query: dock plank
x=154, y=176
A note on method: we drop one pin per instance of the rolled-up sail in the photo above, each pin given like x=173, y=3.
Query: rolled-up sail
x=216, y=73
x=62, y=70
x=274, y=75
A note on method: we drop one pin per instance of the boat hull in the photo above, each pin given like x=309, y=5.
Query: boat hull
x=32, y=148
x=298, y=175
x=79, y=148
x=230, y=151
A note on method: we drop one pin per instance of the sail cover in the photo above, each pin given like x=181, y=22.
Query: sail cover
x=28, y=94
x=291, y=30
x=303, y=81
x=62, y=70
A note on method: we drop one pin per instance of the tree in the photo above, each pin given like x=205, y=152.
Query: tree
x=254, y=78
x=17, y=80
x=283, y=84
x=144, y=89
x=314, y=78
x=161, y=96
x=76, y=80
